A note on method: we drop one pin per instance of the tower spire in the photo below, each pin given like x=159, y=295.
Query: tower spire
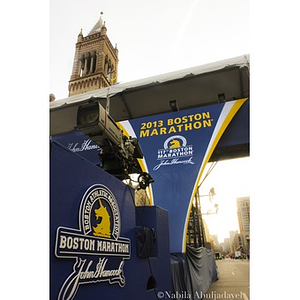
x=98, y=25
x=101, y=20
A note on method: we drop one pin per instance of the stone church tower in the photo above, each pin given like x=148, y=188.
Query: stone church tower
x=95, y=63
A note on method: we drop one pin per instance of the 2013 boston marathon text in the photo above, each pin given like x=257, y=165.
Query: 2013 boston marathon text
x=176, y=125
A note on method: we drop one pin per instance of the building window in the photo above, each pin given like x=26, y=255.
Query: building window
x=82, y=60
x=93, y=62
x=106, y=66
x=88, y=63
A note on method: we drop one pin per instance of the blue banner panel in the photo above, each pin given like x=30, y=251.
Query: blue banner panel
x=176, y=147
x=92, y=235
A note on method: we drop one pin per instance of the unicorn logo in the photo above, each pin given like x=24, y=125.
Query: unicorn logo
x=97, y=247
x=174, y=144
x=175, y=141
x=103, y=228
x=175, y=151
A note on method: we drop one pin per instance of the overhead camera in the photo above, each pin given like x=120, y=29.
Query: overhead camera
x=119, y=153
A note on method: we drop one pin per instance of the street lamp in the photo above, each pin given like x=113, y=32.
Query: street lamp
x=211, y=195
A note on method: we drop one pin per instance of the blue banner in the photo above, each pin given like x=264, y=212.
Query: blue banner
x=176, y=147
x=93, y=219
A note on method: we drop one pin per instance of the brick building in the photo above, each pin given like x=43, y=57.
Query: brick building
x=96, y=61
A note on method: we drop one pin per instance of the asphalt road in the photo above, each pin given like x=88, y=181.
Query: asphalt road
x=233, y=281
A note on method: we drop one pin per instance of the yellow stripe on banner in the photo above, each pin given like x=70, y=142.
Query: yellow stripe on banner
x=233, y=110
x=140, y=161
x=123, y=129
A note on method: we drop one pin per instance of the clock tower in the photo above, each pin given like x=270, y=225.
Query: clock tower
x=95, y=63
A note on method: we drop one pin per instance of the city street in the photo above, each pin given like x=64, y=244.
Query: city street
x=233, y=280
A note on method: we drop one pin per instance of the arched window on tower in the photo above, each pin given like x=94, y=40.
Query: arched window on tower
x=106, y=65
x=109, y=70
x=81, y=65
x=85, y=64
x=93, y=62
x=88, y=64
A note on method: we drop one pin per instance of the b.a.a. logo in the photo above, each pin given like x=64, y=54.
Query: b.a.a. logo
x=175, y=151
x=176, y=141
x=102, y=228
x=97, y=247
x=99, y=213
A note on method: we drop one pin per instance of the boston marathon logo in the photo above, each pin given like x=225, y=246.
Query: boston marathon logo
x=175, y=151
x=97, y=246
